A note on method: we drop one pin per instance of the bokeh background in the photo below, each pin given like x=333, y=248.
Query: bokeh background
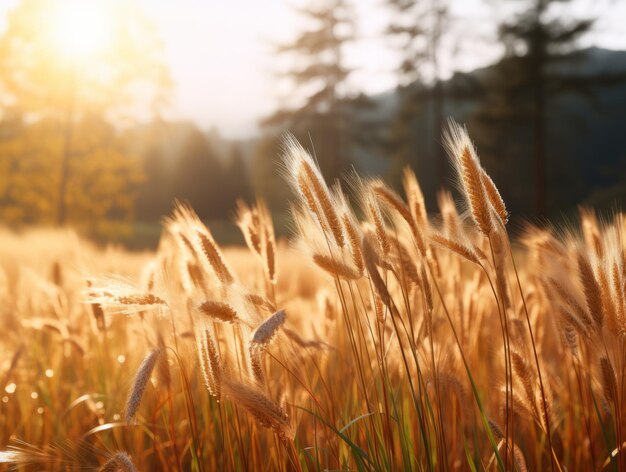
x=110, y=110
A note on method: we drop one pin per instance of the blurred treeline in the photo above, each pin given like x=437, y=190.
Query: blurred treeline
x=83, y=140
x=547, y=117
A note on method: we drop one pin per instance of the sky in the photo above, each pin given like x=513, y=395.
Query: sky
x=222, y=59
x=220, y=53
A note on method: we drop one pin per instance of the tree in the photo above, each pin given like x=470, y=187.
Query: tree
x=417, y=28
x=540, y=54
x=105, y=176
x=198, y=176
x=264, y=180
x=182, y=162
x=151, y=142
x=68, y=68
x=327, y=115
x=236, y=181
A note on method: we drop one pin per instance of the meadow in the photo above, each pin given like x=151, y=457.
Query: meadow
x=377, y=338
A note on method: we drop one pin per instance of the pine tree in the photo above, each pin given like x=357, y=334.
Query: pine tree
x=540, y=54
x=417, y=29
x=327, y=116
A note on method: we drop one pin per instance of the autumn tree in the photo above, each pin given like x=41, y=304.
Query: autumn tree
x=72, y=74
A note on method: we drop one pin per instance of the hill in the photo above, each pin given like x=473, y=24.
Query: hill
x=585, y=146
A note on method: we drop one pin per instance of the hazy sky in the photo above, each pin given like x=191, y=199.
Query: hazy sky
x=221, y=57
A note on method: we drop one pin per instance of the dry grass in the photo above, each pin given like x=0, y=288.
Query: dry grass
x=395, y=342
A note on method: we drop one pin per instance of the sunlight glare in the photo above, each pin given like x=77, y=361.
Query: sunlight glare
x=80, y=28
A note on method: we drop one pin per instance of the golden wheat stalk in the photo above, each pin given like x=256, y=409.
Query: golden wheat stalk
x=609, y=382
x=608, y=305
x=142, y=299
x=591, y=232
x=214, y=257
x=310, y=201
x=210, y=362
x=405, y=266
x=267, y=412
x=261, y=338
x=354, y=241
x=258, y=231
x=260, y=301
x=268, y=240
x=119, y=462
x=322, y=195
x=163, y=366
x=619, y=286
x=495, y=198
x=449, y=214
x=470, y=173
x=376, y=218
x=466, y=252
x=247, y=219
x=591, y=289
x=119, y=293
x=142, y=377
x=526, y=377
x=266, y=331
x=307, y=180
x=415, y=197
x=219, y=311
x=335, y=268
x=581, y=315
x=394, y=202
x=518, y=456
x=379, y=285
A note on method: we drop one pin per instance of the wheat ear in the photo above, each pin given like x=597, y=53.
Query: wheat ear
x=267, y=412
x=609, y=384
x=139, y=384
x=354, y=242
x=592, y=291
x=139, y=299
x=462, y=250
x=494, y=197
x=219, y=311
x=414, y=196
x=393, y=201
x=322, y=195
x=120, y=462
x=377, y=282
x=214, y=258
x=470, y=175
x=268, y=329
x=247, y=220
x=210, y=363
x=335, y=268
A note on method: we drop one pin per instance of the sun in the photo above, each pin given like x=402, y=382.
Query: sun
x=80, y=28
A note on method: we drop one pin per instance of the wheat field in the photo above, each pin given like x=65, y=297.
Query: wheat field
x=378, y=338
